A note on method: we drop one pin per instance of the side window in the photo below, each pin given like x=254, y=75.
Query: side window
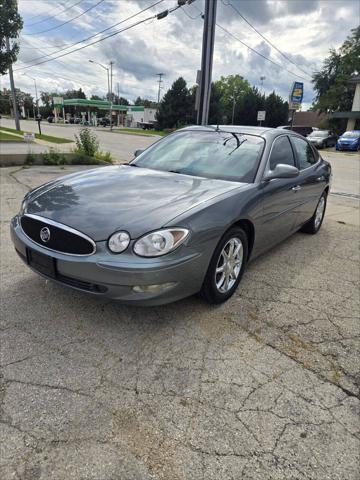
x=304, y=153
x=281, y=152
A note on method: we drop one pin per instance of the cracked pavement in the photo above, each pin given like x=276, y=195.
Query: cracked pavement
x=264, y=387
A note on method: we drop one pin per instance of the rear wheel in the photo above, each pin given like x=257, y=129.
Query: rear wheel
x=226, y=267
x=315, y=222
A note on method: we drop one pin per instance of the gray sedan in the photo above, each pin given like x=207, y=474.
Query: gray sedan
x=185, y=216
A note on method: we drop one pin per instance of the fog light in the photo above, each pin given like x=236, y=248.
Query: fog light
x=157, y=288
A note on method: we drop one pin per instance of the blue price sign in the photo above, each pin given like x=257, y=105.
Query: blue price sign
x=296, y=93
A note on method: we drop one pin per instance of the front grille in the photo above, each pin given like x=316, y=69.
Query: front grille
x=56, y=236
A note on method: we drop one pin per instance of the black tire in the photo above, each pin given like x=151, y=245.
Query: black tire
x=312, y=226
x=209, y=290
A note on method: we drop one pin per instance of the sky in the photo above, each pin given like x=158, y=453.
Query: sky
x=303, y=30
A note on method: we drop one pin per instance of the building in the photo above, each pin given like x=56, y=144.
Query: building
x=125, y=115
x=140, y=117
x=309, y=119
x=353, y=117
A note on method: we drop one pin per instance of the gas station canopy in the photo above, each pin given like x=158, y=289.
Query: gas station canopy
x=101, y=104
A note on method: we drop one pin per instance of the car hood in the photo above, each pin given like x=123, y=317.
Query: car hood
x=348, y=139
x=98, y=202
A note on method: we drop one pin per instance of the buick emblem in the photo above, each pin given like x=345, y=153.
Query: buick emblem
x=45, y=234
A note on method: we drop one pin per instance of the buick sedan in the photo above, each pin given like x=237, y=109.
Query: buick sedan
x=185, y=216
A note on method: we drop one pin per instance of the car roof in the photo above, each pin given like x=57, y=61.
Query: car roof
x=244, y=129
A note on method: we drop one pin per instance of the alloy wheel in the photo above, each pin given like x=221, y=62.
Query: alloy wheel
x=319, y=212
x=229, y=264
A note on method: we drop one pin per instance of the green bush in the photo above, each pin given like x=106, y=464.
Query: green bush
x=52, y=157
x=104, y=156
x=87, y=142
x=83, y=159
x=30, y=159
x=169, y=130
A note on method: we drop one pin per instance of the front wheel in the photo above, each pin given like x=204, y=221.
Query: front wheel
x=315, y=222
x=226, y=267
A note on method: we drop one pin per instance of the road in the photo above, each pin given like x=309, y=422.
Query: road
x=121, y=146
x=262, y=387
x=346, y=166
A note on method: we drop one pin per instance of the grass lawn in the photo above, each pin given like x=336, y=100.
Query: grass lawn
x=49, y=138
x=140, y=131
x=5, y=137
x=46, y=138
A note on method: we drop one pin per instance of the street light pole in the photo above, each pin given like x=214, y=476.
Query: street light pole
x=233, y=110
x=109, y=86
x=36, y=94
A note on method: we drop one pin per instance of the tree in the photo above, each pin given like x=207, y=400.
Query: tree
x=144, y=102
x=10, y=25
x=5, y=102
x=177, y=106
x=217, y=114
x=333, y=92
x=73, y=94
x=96, y=97
x=276, y=111
x=251, y=103
x=230, y=88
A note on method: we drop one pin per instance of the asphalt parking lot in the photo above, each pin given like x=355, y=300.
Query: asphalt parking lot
x=263, y=387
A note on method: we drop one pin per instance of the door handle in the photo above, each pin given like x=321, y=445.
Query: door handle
x=297, y=188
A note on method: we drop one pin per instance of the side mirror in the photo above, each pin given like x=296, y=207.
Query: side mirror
x=138, y=152
x=282, y=171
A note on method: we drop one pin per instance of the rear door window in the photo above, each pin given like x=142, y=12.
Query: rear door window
x=304, y=152
x=281, y=152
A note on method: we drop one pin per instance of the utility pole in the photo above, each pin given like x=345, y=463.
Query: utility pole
x=160, y=75
x=206, y=61
x=13, y=93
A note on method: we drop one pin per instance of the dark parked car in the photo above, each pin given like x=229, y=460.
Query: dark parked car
x=349, y=141
x=75, y=120
x=322, y=138
x=104, y=122
x=185, y=216
x=50, y=118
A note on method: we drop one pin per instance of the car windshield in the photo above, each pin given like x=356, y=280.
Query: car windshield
x=351, y=134
x=319, y=134
x=216, y=154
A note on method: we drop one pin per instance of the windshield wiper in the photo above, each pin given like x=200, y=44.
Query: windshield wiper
x=238, y=142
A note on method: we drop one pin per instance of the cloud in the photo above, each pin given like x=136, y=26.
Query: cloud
x=303, y=29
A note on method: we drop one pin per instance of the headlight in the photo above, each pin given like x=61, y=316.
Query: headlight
x=161, y=242
x=23, y=207
x=118, y=242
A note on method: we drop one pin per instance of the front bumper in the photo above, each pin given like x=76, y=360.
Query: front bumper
x=179, y=274
x=351, y=147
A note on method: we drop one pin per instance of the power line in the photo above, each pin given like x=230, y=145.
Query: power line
x=255, y=51
x=68, y=21
x=159, y=16
x=96, y=34
x=52, y=16
x=260, y=54
x=266, y=39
